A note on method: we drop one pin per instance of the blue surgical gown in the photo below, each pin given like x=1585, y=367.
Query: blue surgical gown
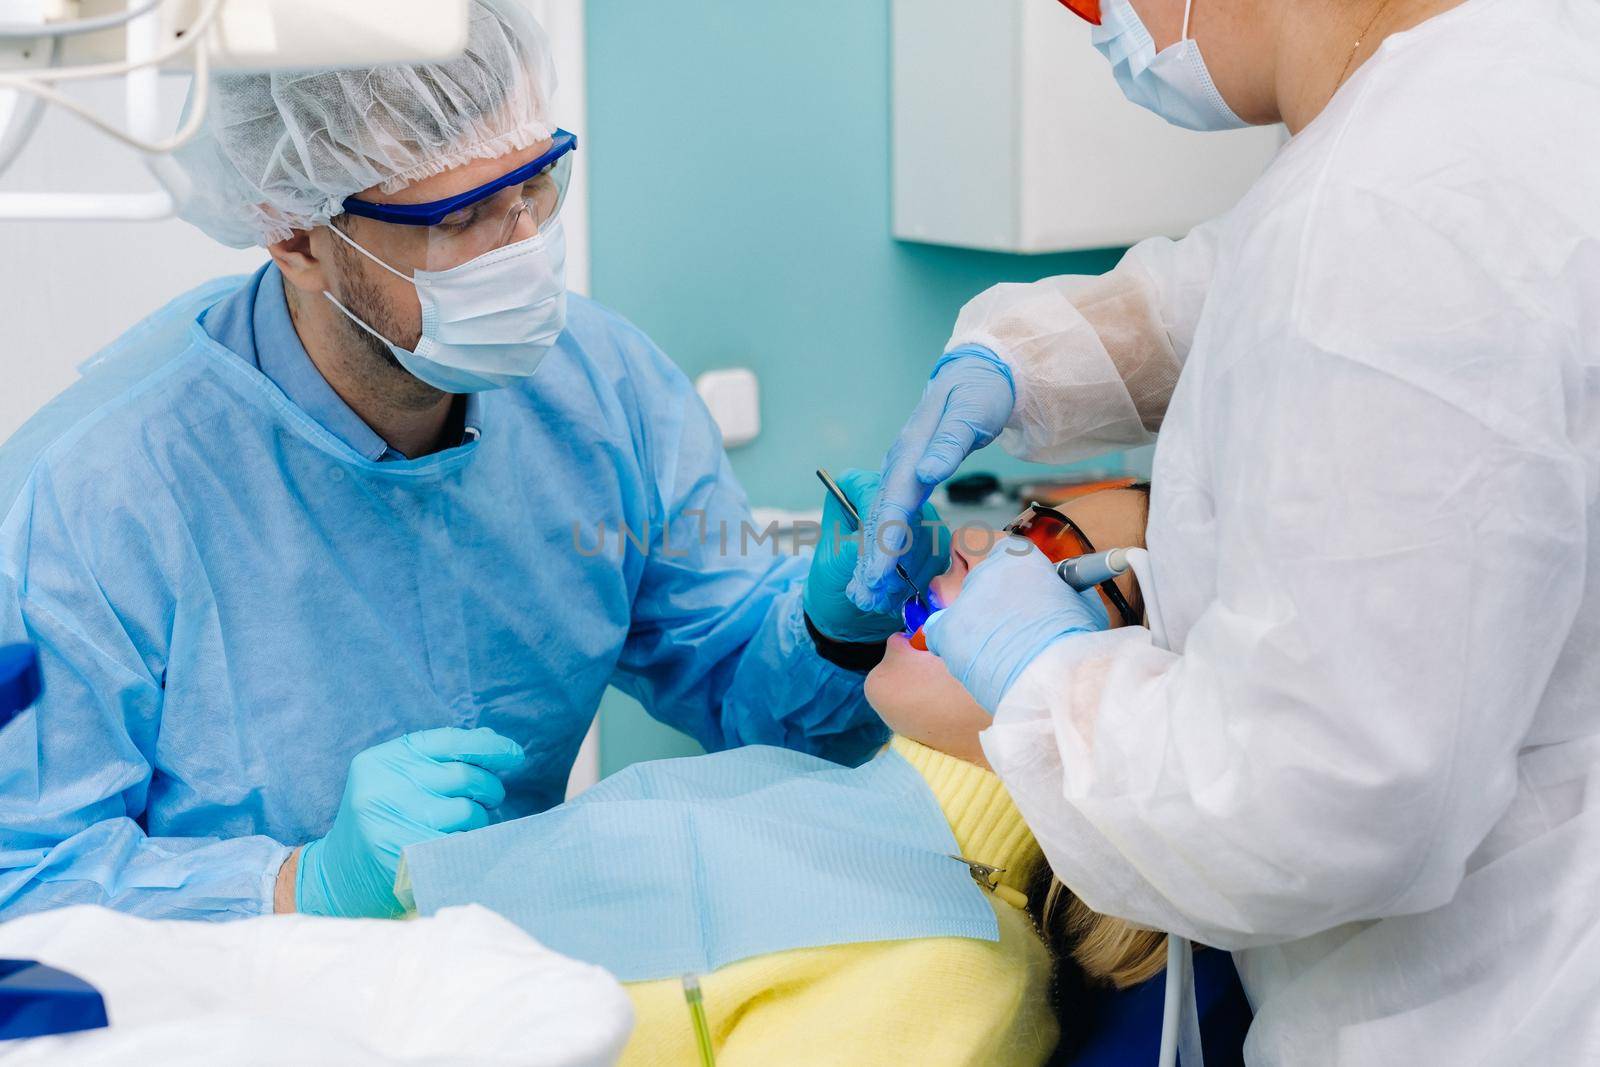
x=231, y=601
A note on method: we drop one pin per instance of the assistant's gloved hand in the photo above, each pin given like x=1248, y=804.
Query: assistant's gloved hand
x=402, y=792
x=826, y=604
x=965, y=406
x=1012, y=606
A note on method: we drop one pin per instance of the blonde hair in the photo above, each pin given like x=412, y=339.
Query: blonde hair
x=1108, y=950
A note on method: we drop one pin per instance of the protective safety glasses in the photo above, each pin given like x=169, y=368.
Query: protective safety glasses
x=512, y=208
x=1061, y=539
x=1087, y=10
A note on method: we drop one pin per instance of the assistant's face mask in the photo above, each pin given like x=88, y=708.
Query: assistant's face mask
x=1173, y=83
x=489, y=322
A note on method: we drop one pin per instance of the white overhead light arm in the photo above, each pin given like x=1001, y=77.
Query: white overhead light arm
x=234, y=34
x=19, y=117
x=144, y=124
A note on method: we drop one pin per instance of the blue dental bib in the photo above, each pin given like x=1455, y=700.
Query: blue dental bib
x=683, y=866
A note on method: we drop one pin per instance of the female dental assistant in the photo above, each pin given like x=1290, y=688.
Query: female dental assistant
x=1367, y=754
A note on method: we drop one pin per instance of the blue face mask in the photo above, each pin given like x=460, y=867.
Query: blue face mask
x=487, y=323
x=1173, y=83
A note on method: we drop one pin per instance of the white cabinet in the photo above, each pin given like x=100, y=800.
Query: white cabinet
x=1011, y=135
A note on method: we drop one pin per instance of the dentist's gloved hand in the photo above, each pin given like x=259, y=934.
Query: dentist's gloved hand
x=830, y=610
x=965, y=406
x=412, y=789
x=1012, y=606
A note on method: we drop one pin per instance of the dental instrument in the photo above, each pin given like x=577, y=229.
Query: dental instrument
x=1085, y=572
x=855, y=524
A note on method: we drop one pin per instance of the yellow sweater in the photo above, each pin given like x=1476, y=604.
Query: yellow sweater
x=925, y=1002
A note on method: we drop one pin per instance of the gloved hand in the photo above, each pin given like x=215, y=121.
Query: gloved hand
x=964, y=407
x=830, y=611
x=1012, y=606
x=402, y=792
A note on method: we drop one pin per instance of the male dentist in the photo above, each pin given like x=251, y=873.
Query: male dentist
x=319, y=568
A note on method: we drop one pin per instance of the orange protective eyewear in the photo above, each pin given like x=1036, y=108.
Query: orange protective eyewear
x=1061, y=539
x=1087, y=10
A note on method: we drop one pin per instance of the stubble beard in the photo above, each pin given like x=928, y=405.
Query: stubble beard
x=369, y=359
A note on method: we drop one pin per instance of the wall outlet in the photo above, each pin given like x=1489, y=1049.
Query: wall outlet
x=734, y=398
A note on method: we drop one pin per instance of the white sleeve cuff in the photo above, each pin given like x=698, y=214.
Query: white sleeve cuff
x=1064, y=685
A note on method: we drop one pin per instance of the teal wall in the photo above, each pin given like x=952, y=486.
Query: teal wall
x=739, y=175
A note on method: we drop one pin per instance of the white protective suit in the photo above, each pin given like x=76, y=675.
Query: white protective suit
x=1371, y=758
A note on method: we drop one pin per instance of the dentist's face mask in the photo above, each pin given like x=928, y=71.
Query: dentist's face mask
x=493, y=305
x=1173, y=83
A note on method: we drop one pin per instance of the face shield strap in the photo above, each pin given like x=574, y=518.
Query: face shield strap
x=431, y=214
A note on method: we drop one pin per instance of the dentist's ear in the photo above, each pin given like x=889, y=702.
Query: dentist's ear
x=303, y=257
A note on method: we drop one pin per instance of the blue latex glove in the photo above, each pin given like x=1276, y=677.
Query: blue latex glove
x=965, y=406
x=825, y=602
x=1012, y=606
x=412, y=789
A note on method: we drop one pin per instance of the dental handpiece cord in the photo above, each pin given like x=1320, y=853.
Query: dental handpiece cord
x=1086, y=572
x=855, y=522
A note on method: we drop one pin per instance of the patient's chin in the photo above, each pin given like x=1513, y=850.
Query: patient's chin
x=886, y=683
x=906, y=685
x=875, y=687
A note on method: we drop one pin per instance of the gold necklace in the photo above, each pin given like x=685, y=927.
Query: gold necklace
x=1382, y=7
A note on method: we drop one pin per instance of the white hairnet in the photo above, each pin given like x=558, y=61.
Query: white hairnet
x=281, y=151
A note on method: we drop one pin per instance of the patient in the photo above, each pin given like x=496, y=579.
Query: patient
x=927, y=1000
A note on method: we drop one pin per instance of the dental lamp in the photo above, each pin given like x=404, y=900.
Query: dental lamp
x=45, y=44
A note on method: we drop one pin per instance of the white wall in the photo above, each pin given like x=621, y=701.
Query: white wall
x=67, y=289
